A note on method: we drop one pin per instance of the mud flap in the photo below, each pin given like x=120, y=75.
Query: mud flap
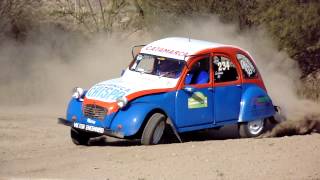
x=278, y=117
x=174, y=130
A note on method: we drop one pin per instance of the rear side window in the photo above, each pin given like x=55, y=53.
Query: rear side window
x=247, y=66
x=224, y=69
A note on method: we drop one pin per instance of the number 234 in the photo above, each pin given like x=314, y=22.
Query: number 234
x=224, y=65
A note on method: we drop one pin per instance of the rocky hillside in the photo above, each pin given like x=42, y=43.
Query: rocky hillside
x=293, y=24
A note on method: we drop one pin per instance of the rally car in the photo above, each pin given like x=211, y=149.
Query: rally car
x=178, y=83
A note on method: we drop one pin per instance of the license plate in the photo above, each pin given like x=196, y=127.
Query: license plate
x=88, y=127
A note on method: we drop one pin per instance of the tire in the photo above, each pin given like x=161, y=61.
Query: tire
x=79, y=137
x=154, y=129
x=252, y=128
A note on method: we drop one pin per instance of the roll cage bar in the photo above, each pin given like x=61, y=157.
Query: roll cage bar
x=195, y=55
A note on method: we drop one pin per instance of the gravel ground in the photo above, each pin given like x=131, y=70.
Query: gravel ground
x=34, y=146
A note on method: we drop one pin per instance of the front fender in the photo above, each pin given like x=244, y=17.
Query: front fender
x=131, y=118
x=74, y=109
x=255, y=104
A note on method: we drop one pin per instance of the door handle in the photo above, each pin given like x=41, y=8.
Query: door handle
x=210, y=89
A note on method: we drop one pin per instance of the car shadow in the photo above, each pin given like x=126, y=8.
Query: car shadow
x=224, y=133
x=110, y=141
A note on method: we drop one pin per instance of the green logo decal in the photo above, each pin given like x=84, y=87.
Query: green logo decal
x=197, y=100
x=262, y=100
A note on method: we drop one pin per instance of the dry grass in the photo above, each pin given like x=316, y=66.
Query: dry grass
x=311, y=86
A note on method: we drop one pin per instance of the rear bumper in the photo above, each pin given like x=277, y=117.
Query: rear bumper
x=107, y=132
x=278, y=116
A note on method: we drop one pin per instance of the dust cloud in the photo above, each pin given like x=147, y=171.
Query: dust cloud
x=41, y=71
x=280, y=73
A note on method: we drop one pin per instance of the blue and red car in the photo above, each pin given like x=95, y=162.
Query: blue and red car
x=177, y=83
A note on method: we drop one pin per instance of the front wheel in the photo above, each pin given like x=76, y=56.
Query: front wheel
x=79, y=137
x=154, y=129
x=252, y=128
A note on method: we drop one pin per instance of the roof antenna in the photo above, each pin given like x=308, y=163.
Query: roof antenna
x=188, y=49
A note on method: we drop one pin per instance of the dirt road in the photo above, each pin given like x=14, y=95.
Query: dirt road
x=34, y=146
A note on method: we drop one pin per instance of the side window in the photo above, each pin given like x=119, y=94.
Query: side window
x=224, y=69
x=247, y=66
x=199, y=72
x=144, y=63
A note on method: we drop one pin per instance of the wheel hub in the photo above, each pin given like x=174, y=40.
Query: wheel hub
x=255, y=127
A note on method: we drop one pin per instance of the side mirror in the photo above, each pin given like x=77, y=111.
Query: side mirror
x=189, y=89
x=136, y=50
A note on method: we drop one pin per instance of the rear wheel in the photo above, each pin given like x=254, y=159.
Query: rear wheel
x=154, y=129
x=79, y=137
x=252, y=128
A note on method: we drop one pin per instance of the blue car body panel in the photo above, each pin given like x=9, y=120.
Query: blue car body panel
x=227, y=103
x=221, y=109
x=188, y=114
x=255, y=104
x=74, y=109
x=74, y=114
x=133, y=116
x=183, y=83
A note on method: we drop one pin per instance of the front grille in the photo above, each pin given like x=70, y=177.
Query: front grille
x=94, y=111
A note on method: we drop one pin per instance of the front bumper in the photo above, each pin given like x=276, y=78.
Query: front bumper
x=107, y=132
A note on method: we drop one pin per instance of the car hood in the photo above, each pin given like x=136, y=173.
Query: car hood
x=130, y=83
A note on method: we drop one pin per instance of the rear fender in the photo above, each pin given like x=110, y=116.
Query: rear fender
x=255, y=104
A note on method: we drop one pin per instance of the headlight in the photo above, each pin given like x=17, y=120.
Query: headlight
x=77, y=93
x=122, y=102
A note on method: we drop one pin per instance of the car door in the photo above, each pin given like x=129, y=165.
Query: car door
x=194, y=105
x=227, y=88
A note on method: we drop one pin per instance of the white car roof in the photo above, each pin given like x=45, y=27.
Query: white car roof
x=178, y=47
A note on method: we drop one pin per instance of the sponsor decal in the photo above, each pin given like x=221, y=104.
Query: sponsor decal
x=91, y=121
x=246, y=65
x=262, y=100
x=167, y=51
x=107, y=92
x=197, y=100
x=88, y=127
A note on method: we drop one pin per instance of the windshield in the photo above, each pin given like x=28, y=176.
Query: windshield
x=159, y=66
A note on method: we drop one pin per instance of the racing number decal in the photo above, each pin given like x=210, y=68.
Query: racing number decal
x=197, y=100
x=224, y=65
